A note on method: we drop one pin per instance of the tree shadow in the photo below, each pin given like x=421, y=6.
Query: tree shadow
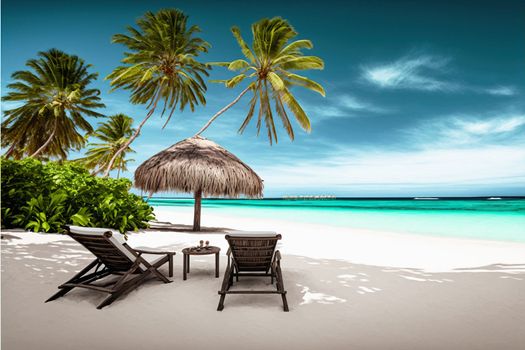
x=168, y=226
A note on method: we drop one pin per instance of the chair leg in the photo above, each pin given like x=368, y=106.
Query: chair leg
x=63, y=291
x=226, y=283
x=170, y=265
x=221, y=302
x=285, y=302
x=159, y=274
x=82, y=279
x=111, y=298
x=126, y=287
x=60, y=293
x=280, y=286
x=154, y=269
x=230, y=280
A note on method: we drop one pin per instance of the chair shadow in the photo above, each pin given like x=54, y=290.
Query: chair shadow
x=310, y=282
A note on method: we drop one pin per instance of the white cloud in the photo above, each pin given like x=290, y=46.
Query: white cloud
x=501, y=91
x=409, y=72
x=418, y=72
x=453, y=152
x=352, y=103
x=317, y=112
x=467, y=130
x=493, y=126
x=487, y=166
x=345, y=105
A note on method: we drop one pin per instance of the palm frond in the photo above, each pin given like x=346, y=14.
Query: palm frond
x=55, y=89
x=273, y=55
x=244, y=47
x=296, y=109
x=160, y=63
x=299, y=80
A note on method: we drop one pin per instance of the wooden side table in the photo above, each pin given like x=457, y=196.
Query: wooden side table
x=199, y=251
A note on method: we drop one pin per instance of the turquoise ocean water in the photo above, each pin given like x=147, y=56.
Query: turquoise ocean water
x=502, y=220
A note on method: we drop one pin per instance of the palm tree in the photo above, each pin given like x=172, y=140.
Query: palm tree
x=55, y=97
x=113, y=134
x=268, y=64
x=161, y=65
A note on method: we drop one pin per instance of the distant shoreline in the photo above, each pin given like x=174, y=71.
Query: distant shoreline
x=294, y=198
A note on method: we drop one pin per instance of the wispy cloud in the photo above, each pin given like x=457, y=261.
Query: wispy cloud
x=490, y=165
x=409, y=72
x=352, y=103
x=493, y=126
x=468, y=130
x=451, y=153
x=501, y=91
x=423, y=72
x=344, y=105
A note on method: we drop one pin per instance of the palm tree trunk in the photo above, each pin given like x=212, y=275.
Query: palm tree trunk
x=50, y=138
x=222, y=111
x=118, y=172
x=10, y=150
x=131, y=139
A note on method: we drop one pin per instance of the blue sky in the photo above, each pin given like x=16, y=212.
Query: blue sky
x=423, y=98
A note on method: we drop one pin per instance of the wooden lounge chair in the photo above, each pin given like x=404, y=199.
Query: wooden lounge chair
x=114, y=257
x=253, y=254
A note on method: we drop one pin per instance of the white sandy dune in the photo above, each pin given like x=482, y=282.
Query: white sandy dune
x=347, y=289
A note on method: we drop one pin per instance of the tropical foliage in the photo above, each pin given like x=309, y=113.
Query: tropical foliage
x=269, y=64
x=160, y=66
x=43, y=197
x=113, y=134
x=54, y=97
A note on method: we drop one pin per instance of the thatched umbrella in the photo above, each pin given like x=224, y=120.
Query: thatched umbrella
x=200, y=166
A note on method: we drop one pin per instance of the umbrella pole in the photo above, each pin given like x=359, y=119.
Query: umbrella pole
x=197, y=211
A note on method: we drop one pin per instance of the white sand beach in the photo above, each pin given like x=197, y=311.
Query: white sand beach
x=347, y=289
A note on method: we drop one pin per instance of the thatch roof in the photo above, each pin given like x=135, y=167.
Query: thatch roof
x=198, y=163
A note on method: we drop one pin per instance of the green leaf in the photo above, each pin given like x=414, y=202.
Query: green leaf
x=238, y=65
x=44, y=196
x=244, y=47
x=276, y=81
x=305, y=82
x=235, y=80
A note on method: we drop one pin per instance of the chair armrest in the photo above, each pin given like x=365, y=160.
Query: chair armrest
x=229, y=252
x=153, y=251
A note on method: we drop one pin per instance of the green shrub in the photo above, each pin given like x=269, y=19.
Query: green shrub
x=43, y=197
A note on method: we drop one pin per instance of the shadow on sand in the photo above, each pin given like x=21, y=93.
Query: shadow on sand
x=346, y=301
x=168, y=226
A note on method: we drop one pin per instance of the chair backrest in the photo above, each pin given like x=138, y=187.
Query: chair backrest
x=253, y=251
x=106, y=244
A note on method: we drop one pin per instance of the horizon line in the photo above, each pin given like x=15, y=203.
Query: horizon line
x=495, y=197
